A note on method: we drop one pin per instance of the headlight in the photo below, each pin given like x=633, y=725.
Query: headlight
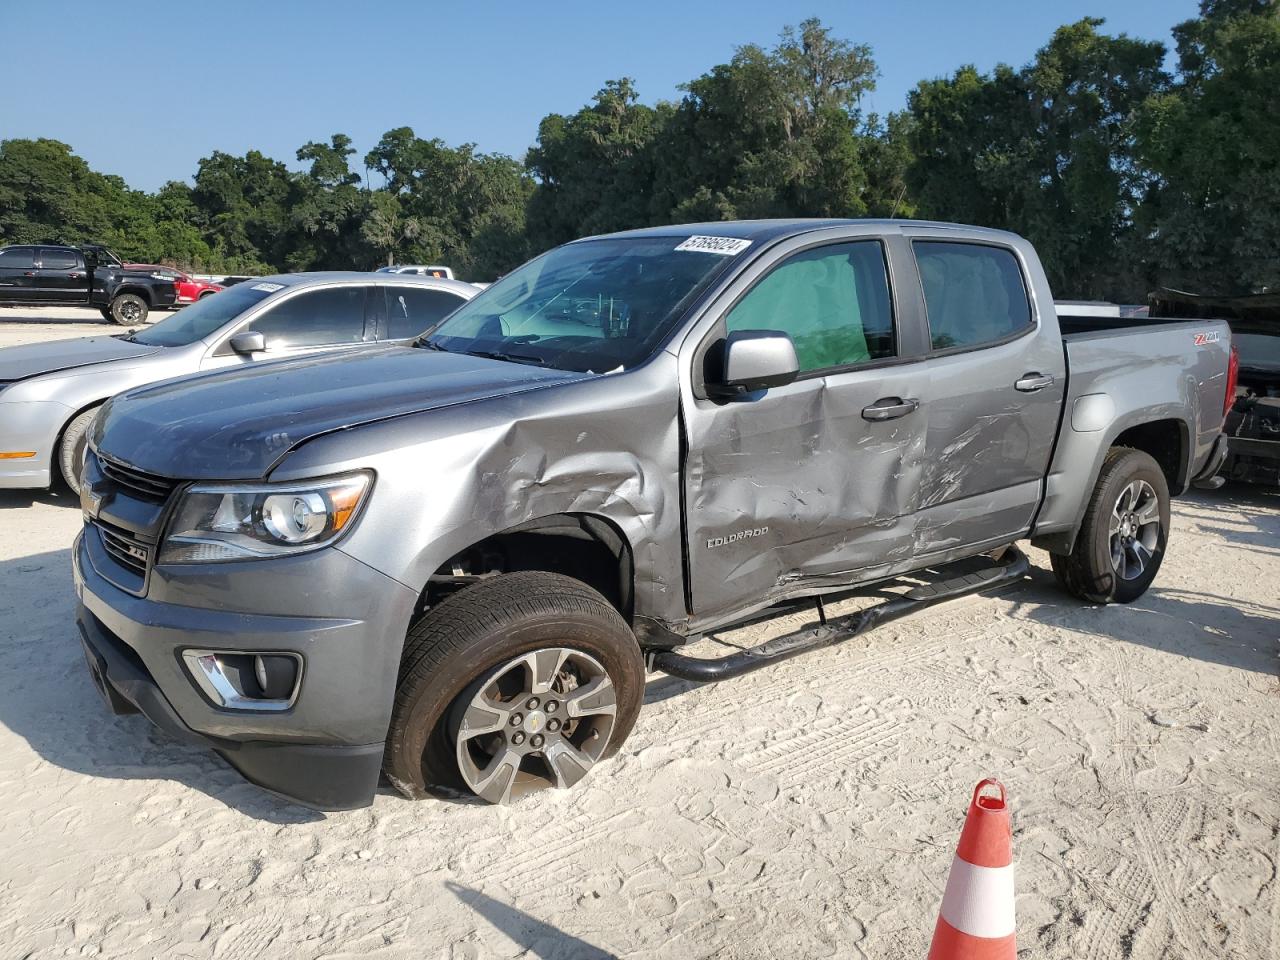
x=239, y=522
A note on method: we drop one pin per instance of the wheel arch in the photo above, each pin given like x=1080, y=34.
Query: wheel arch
x=136, y=289
x=585, y=546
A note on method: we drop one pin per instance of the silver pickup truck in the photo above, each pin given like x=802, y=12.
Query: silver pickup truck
x=452, y=562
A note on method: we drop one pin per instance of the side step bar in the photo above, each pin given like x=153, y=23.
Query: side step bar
x=1011, y=567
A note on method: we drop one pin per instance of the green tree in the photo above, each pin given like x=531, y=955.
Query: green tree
x=1213, y=148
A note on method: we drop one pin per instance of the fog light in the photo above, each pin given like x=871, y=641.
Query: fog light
x=246, y=681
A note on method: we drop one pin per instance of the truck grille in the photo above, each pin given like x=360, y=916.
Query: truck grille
x=124, y=548
x=148, y=486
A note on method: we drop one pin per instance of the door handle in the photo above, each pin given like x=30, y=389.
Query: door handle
x=29, y=273
x=1031, y=382
x=890, y=408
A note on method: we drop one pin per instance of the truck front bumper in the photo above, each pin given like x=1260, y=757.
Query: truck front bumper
x=325, y=750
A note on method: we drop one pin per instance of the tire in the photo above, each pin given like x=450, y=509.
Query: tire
x=207, y=293
x=482, y=638
x=129, y=308
x=106, y=314
x=1092, y=571
x=72, y=446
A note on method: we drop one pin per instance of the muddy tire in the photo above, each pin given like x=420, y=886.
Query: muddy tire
x=1122, y=538
x=129, y=308
x=71, y=448
x=106, y=314
x=517, y=683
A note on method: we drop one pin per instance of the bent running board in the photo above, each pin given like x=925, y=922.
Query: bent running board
x=1011, y=567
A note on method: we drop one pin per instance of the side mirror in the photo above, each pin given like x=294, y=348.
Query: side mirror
x=757, y=360
x=247, y=342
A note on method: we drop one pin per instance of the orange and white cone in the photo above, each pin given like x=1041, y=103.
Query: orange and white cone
x=976, y=920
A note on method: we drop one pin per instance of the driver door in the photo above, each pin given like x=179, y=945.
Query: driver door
x=815, y=483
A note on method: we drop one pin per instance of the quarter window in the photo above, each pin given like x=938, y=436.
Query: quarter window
x=411, y=311
x=832, y=301
x=316, y=318
x=973, y=293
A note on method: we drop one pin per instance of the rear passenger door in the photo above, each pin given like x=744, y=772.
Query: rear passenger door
x=412, y=310
x=323, y=319
x=18, y=273
x=806, y=484
x=61, y=276
x=996, y=386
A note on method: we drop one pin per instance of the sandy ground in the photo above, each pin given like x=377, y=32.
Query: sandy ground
x=807, y=811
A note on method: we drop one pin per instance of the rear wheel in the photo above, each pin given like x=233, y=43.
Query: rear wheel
x=519, y=683
x=72, y=446
x=1122, y=539
x=128, y=308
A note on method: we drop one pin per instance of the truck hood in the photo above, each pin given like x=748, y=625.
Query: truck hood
x=235, y=425
x=33, y=359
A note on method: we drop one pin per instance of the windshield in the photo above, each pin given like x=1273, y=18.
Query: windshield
x=203, y=317
x=594, y=306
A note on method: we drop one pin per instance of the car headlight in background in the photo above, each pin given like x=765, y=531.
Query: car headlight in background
x=245, y=522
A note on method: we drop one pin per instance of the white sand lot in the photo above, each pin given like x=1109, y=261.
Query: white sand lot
x=810, y=810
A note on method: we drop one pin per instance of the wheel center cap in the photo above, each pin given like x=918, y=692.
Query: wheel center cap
x=535, y=721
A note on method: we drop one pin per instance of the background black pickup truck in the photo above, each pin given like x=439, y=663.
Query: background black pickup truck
x=88, y=274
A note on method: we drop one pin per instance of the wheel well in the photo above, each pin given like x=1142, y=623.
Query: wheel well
x=582, y=546
x=1166, y=442
x=142, y=292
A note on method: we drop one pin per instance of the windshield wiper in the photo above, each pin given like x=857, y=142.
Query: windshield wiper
x=509, y=357
x=428, y=345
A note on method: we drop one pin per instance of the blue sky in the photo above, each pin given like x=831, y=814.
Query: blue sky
x=145, y=89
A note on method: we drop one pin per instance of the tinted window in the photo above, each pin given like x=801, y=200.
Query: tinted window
x=412, y=310
x=203, y=317
x=16, y=258
x=974, y=294
x=314, y=318
x=832, y=301
x=53, y=259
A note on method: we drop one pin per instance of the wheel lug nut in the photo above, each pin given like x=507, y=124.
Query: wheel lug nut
x=551, y=706
x=517, y=738
x=533, y=703
x=536, y=741
x=553, y=724
x=517, y=719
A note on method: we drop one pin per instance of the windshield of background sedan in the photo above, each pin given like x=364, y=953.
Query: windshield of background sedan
x=201, y=318
x=595, y=306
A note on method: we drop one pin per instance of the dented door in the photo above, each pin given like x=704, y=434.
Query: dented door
x=802, y=486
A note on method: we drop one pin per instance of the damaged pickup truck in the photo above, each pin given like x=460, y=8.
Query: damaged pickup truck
x=452, y=562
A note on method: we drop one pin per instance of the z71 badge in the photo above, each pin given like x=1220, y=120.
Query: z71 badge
x=1203, y=338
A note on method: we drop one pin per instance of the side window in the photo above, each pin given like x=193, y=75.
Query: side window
x=318, y=317
x=974, y=294
x=411, y=310
x=833, y=301
x=18, y=258
x=51, y=258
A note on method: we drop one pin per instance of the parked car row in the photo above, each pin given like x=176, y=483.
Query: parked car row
x=446, y=550
x=189, y=288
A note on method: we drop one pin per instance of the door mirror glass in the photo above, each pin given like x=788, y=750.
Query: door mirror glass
x=248, y=341
x=757, y=360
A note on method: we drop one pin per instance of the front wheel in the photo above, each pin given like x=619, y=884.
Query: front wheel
x=1122, y=539
x=128, y=308
x=71, y=449
x=519, y=683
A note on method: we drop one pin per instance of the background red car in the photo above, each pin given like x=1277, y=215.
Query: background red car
x=189, y=289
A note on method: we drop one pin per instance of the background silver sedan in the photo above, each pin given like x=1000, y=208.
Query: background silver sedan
x=50, y=392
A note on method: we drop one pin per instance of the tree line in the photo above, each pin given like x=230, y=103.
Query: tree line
x=1125, y=174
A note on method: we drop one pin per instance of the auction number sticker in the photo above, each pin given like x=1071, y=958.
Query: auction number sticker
x=268, y=287
x=725, y=246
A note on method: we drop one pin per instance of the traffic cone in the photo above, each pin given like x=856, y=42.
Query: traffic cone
x=976, y=919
